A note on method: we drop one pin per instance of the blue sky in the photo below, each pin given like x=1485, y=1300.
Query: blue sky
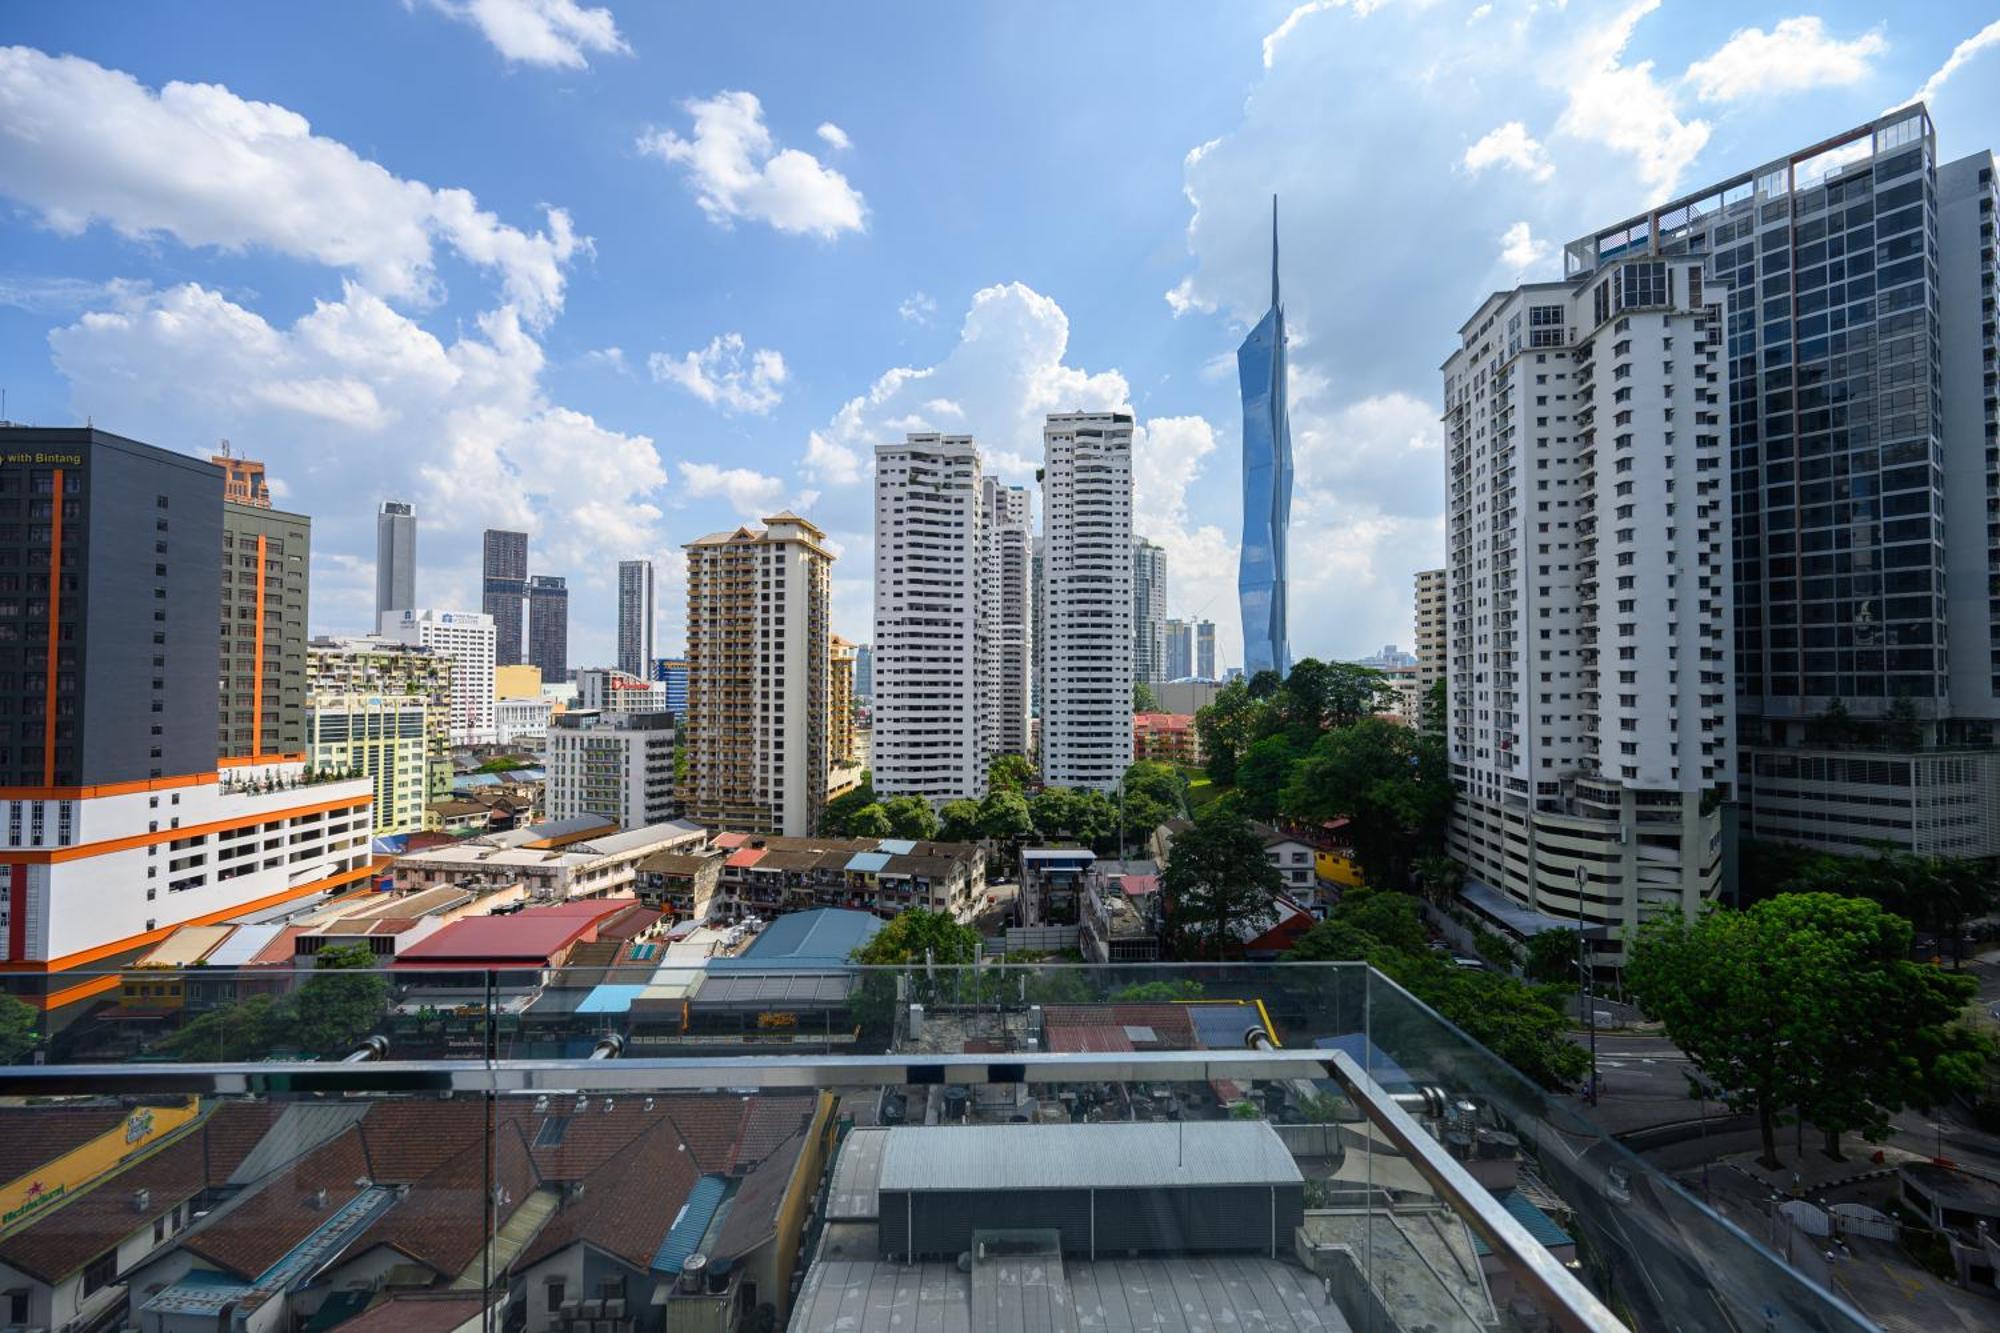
x=623, y=274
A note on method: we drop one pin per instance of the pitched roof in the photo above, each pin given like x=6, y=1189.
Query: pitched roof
x=67, y=1237
x=438, y=1222
x=33, y=1136
x=262, y=1226
x=533, y=936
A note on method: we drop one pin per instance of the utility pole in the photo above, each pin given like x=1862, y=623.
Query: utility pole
x=1585, y=998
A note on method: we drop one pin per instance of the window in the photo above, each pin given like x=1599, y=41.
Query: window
x=99, y=1272
x=555, y=1289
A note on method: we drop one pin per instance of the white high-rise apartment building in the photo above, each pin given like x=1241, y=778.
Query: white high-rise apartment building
x=1430, y=621
x=758, y=667
x=1086, y=672
x=1149, y=612
x=467, y=637
x=1590, y=725
x=635, y=618
x=617, y=767
x=931, y=642
x=1007, y=599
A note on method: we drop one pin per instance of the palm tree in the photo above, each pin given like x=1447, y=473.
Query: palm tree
x=1441, y=878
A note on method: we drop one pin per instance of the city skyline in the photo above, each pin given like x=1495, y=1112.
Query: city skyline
x=142, y=302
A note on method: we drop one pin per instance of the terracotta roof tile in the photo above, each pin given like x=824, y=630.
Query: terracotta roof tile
x=32, y=1136
x=93, y=1222
x=255, y=1233
x=441, y=1222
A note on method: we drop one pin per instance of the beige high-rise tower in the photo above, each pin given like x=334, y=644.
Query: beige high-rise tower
x=1430, y=628
x=758, y=677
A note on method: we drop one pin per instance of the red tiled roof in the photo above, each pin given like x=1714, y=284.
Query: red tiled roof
x=72, y=1234
x=1170, y=1022
x=536, y=936
x=263, y=1228
x=439, y=1222
x=729, y=840
x=1071, y=1039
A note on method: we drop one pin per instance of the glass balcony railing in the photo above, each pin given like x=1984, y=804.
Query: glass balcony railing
x=822, y=1147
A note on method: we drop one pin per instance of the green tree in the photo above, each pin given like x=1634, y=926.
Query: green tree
x=1143, y=698
x=870, y=821
x=1391, y=784
x=919, y=933
x=341, y=1002
x=1004, y=816
x=1439, y=877
x=1902, y=727
x=911, y=817
x=836, y=821
x=18, y=1035
x=1009, y=772
x=1224, y=727
x=250, y=1029
x=1354, y=692
x=505, y=763
x=1216, y=880
x=959, y=821
x=1265, y=685
x=1262, y=775
x=1436, y=705
x=1522, y=1024
x=1806, y=1001
x=1553, y=957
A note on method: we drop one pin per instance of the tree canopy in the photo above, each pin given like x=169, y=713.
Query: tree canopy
x=1523, y=1024
x=911, y=817
x=918, y=932
x=1010, y=772
x=1807, y=1002
x=1217, y=879
x=1388, y=780
x=18, y=1022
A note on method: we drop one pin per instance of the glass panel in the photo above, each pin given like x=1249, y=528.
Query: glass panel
x=588, y=1147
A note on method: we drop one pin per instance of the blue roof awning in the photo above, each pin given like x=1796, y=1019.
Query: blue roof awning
x=900, y=846
x=610, y=999
x=868, y=863
x=685, y=1234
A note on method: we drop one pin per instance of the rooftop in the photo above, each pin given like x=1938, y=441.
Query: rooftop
x=1103, y=1156
x=824, y=938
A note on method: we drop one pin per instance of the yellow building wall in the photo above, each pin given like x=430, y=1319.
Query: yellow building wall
x=146, y=1125
x=1334, y=868
x=517, y=682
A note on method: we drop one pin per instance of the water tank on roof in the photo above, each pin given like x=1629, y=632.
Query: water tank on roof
x=694, y=1273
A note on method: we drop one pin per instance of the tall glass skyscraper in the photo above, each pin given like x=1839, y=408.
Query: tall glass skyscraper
x=1267, y=484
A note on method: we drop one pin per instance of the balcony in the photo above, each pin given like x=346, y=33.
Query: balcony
x=651, y=1146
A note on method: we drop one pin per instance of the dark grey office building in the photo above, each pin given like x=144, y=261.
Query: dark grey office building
x=395, y=557
x=548, y=626
x=109, y=554
x=502, y=591
x=1864, y=459
x=266, y=582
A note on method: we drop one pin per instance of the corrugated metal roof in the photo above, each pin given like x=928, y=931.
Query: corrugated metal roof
x=822, y=938
x=1118, y=1156
x=868, y=863
x=686, y=1232
x=187, y=945
x=899, y=846
x=745, y=857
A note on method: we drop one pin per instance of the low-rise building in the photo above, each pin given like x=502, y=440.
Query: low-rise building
x=1121, y=921
x=523, y=721
x=770, y=875
x=1167, y=738
x=584, y=857
x=682, y=883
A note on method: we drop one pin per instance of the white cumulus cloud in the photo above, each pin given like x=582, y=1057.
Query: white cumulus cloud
x=726, y=374
x=1796, y=54
x=561, y=34
x=736, y=170
x=834, y=136
x=1510, y=145
x=1004, y=376
x=751, y=494
x=1623, y=107
x=82, y=144
x=1521, y=249
x=917, y=308
x=1986, y=37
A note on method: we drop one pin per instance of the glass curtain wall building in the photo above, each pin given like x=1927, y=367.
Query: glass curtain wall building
x=1267, y=484
x=1861, y=356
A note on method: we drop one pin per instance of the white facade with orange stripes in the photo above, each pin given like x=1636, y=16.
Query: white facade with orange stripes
x=100, y=874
